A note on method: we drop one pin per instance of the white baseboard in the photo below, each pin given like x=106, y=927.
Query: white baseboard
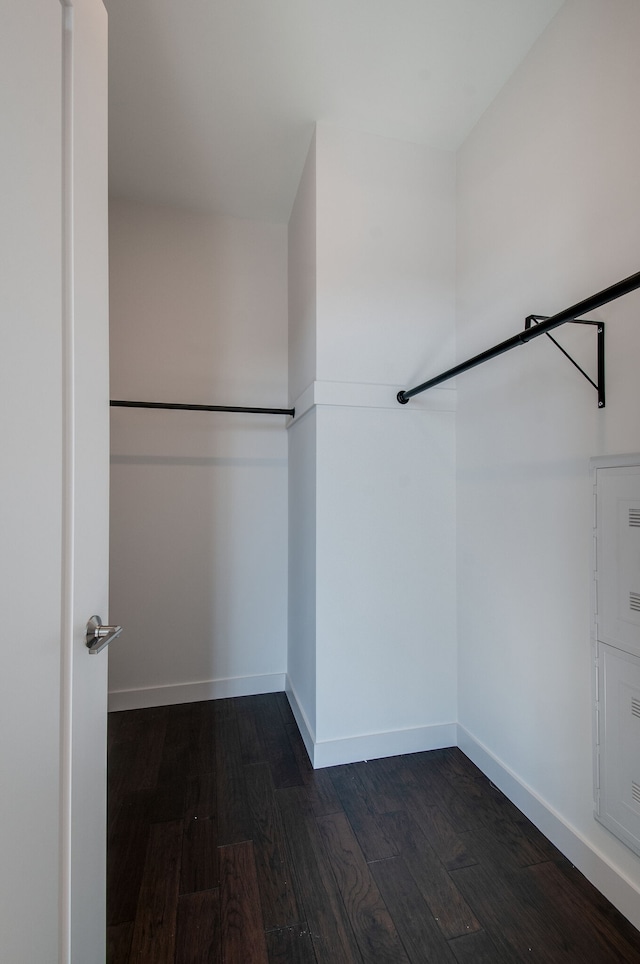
x=371, y=746
x=303, y=724
x=214, y=689
x=595, y=866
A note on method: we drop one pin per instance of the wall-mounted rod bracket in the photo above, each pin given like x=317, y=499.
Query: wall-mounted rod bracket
x=624, y=287
x=599, y=326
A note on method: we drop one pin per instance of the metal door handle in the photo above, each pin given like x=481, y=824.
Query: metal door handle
x=99, y=636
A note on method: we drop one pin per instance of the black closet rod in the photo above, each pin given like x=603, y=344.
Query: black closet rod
x=569, y=314
x=180, y=406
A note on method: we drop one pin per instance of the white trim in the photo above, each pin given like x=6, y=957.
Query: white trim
x=213, y=689
x=613, y=461
x=370, y=395
x=372, y=746
x=303, y=403
x=69, y=491
x=596, y=867
x=302, y=722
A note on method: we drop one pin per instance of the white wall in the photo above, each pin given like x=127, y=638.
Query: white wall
x=199, y=500
x=385, y=261
x=379, y=673
x=386, y=645
x=548, y=213
x=302, y=280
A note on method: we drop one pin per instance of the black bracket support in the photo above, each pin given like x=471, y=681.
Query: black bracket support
x=599, y=325
x=536, y=327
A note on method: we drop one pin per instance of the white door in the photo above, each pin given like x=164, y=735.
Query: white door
x=54, y=479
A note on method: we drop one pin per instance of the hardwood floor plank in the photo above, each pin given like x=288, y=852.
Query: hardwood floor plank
x=446, y=903
x=319, y=896
x=597, y=936
x=154, y=931
x=502, y=903
x=198, y=929
x=234, y=823
x=201, y=794
x=465, y=775
x=290, y=945
x=127, y=843
x=119, y=943
x=321, y=791
x=543, y=844
x=223, y=710
x=273, y=865
x=163, y=804
x=516, y=890
x=132, y=720
x=204, y=757
x=241, y=924
x=422, y=938
x=118, y=777
x=115, y=723
x=595, y=902
x=250, y=744
x=437, y=791
x=496, y=809
x=286, y=713
x=278, y=752
x=135, y=759
x=200, y=866
x=499, y=845
x=521, y=847
x=477, y=948
x=126, y=849
x=373, y=927
x=132, y=724
x=179, y=743
x=446, y=842
x=493, y=808
x=365, y=822
x=386, y=782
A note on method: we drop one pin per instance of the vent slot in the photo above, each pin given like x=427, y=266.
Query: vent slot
x=635, y=706
x=634, y=601
x=634, y=517
x=635, y=791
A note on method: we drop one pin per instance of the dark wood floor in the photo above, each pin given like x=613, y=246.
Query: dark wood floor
x=225, y=846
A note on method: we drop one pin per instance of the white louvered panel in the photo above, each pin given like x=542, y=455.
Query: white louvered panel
x=616, y=625
x=617, y=557
x=617, y=784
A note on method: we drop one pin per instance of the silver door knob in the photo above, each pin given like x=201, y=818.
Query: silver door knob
x=99, y=636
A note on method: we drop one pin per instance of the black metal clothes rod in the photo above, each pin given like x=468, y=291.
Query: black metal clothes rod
x=180, y=406
x=632, y=283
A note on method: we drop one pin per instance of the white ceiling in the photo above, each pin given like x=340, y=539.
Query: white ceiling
x=212, y=102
